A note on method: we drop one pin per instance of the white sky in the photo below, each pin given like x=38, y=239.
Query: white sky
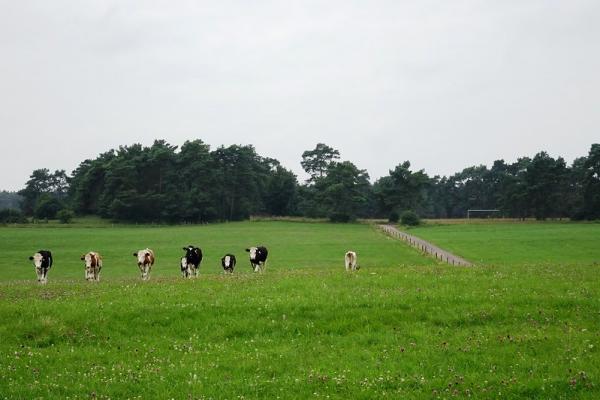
x=444, y=84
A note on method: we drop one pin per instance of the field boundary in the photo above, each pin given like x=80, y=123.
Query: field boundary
x=425, y=246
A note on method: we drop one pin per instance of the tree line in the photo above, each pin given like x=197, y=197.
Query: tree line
x=193, y=183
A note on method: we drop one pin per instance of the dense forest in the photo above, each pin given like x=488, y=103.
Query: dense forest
x=164, y=183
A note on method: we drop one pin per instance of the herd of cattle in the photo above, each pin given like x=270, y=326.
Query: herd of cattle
x=189, y=263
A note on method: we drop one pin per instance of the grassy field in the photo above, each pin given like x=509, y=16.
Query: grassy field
x=401, y=327
x=291, y=245
x=517, y=243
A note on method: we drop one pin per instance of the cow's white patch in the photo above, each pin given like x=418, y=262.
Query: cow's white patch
x=253, y=252
x=227, y=261
x=184, y=266
x=37, y=260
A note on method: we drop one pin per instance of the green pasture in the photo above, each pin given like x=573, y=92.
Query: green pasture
x=518, y=243
x=291, y=245
x=403, y=326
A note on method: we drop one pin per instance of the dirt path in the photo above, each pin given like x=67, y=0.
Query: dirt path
x=425, y=246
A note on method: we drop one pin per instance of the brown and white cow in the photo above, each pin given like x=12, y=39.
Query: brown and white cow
x=350, y=261
x=93, y=265
x=145, y=261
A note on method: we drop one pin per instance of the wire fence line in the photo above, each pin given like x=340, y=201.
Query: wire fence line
x=425, y=247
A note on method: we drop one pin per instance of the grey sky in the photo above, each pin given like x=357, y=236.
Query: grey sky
x=444, y=84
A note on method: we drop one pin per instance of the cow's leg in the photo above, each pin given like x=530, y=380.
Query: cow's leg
x=144, y=270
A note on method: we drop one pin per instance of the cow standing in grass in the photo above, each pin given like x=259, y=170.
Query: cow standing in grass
x=190, y=263
x=93, y=265
x=42, y=261
x=351, y=261
x=228, y=263
x=258, y=258
x=145, y=261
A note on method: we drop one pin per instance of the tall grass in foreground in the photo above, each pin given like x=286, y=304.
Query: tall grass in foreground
x=409, y=332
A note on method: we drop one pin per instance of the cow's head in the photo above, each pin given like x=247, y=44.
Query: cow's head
x=143, y=257
x=37, y=259
x=227, y=261
x=191, y=251
x=252, y=251
x=91, y=259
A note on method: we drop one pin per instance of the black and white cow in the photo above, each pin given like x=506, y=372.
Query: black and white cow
x=228, y=263
x=258, y=258
x=42, y=261
x=190, y=263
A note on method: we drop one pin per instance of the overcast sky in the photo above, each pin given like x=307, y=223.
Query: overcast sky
x=444, y=84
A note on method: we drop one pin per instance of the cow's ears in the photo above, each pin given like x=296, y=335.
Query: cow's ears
x=82, y=258
x=184, y=248
x=31, y=257
x=135, y=254
x=248, y=250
